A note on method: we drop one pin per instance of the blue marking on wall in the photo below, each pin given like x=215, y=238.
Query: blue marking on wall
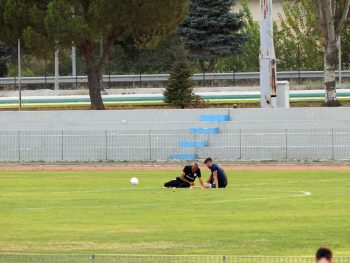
x=214, y=118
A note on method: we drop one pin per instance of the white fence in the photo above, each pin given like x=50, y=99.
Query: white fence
x=150, y=145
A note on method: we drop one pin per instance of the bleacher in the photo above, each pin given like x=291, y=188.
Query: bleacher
x=148, y=135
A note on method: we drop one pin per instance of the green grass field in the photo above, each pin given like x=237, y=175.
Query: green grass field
x=260, y=213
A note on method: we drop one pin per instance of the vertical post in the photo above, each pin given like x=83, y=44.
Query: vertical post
x=224, y=259
x=19, y=77
x=268, y=75
x=140, y=80
x=74, y=62
x=57, y=69
x=286, y=144
x=92, y=258
x=234, y=78
x=333, y=157
x=19, y=145
x=204, y=79
x=62, y=145
x=106, y=141
x=240, y=144
x=45, y=72
x=150, y=144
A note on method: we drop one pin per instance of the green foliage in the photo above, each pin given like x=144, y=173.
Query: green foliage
x=6, y=55
x=50, y=24
x=179, y=91
x=87, y=20
x=298, y=39
x=45, y=24
x=248, y=60
x=128, y=58
x=345, y=43
x=212, y=31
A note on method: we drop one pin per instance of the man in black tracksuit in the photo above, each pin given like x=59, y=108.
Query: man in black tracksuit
x=187, y=178
x=218, y=178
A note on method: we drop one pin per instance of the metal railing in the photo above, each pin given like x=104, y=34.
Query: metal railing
x=19, y=258
x=229, y=76
x=153, y=145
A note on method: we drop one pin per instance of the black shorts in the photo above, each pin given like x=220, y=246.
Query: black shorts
x=177, y=182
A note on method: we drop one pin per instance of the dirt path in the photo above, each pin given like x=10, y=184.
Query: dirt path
x=166, y=167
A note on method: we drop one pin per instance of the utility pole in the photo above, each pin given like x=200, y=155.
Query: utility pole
x=57, y=71
x=74, y=62
x=19, y=76
x=268, y=73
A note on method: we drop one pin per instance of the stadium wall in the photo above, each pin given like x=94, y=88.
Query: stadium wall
x=296, y=118
x=149, y=135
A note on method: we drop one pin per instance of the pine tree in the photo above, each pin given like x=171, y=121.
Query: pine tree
x=211, y=31
x=179, y=91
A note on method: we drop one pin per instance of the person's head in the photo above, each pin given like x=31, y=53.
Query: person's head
x=324, y=255
x=208, y=162
x=195, y=167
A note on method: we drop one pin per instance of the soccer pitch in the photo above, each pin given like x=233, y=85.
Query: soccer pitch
x=264, y=212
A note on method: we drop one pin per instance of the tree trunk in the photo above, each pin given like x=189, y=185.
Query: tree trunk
x=202, y=66
x=329, y=72
x=326, y=13
x=94, y=78
x=209, y=68
x=211, y=65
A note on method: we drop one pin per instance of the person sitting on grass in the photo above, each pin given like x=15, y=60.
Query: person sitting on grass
x=324, y=255
x=218, y=178
x=187, y=178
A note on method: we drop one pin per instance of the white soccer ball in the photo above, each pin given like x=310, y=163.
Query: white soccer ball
x=134, y=181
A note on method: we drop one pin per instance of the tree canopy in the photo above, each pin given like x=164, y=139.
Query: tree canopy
x=212, y=30
x=45, y=25
x=248, y=59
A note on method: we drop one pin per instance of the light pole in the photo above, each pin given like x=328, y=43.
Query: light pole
x=268, y=74
x=57, y=69
x=19, y=76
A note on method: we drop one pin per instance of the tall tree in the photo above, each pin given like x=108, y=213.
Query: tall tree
x=333, y=16
x=49, y=24
x=248, y=60
x=211, y=31
x=298, y=38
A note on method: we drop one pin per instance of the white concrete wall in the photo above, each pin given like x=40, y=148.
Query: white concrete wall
x=302, y=118
x=252, y=134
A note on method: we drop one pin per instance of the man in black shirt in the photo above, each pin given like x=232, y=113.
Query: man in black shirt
x=187, y=178
x=218, y=178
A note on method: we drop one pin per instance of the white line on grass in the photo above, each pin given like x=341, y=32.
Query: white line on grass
x=297, y=194
x=300, y=194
